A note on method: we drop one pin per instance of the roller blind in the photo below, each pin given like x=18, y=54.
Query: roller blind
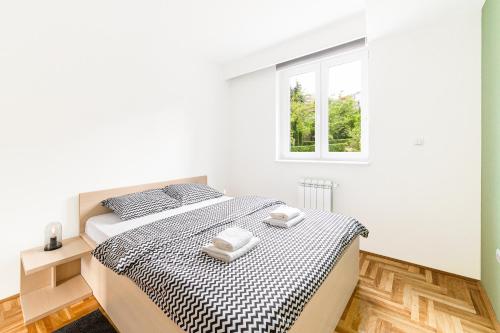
x=338, y=49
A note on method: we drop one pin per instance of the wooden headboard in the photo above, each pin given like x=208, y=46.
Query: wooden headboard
x=90, y=202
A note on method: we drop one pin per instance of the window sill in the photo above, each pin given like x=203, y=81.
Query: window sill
x=280, y=160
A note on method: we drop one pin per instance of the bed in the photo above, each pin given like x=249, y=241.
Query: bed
x=148, y=291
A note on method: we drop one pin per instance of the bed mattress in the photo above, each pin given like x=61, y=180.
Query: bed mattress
x=101, y=227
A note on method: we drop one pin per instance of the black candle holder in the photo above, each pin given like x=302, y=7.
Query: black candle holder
x=53, y=236
x=53, y=244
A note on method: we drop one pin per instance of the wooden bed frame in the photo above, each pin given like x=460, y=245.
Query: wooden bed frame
x=131, y=310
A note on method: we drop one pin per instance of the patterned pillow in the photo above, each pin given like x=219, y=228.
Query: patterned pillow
x=139, y=204
x=191, y=193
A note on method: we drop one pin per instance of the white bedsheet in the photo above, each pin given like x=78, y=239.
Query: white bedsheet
x=101, y=227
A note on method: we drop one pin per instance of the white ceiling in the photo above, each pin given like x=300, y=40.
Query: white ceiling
x=235, y=28
x=221, y=30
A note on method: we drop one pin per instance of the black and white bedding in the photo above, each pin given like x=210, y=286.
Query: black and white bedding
x=188, y=194
x=263, y=291
x=139, y=204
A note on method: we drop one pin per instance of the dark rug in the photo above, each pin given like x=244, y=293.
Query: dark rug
x=94, y=322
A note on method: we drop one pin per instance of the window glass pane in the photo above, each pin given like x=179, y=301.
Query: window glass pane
x=344, y=109
x=302, y=112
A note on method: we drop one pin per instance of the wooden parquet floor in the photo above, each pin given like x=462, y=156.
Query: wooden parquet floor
x=391, y=297
x=11, y=316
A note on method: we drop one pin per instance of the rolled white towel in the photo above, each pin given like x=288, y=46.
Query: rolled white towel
x=285, y=224
x=285, y=213
x=226, y=256
x=232, y=239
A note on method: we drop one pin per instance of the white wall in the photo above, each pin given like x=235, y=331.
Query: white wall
x=420, y=203
x=94, y=97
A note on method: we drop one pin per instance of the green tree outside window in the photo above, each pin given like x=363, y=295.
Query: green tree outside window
x=344, y=122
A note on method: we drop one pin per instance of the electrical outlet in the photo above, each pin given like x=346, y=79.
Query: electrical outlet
x=419, y=141
x=498, y=255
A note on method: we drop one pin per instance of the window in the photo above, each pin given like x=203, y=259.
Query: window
x=322, y=109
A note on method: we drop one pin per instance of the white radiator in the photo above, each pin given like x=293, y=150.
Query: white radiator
x=315, y=193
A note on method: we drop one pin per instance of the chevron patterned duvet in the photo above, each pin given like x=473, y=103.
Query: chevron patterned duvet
x=264, y=291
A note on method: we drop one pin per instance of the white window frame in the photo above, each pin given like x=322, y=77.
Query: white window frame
x=321, y=69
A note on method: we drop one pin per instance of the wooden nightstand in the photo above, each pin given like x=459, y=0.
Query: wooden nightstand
x=51, y=280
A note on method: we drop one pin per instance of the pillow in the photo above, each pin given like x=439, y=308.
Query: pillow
x=139, y=204
x=191, y=193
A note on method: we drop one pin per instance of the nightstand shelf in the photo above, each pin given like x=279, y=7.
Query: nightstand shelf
x=51, y=280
